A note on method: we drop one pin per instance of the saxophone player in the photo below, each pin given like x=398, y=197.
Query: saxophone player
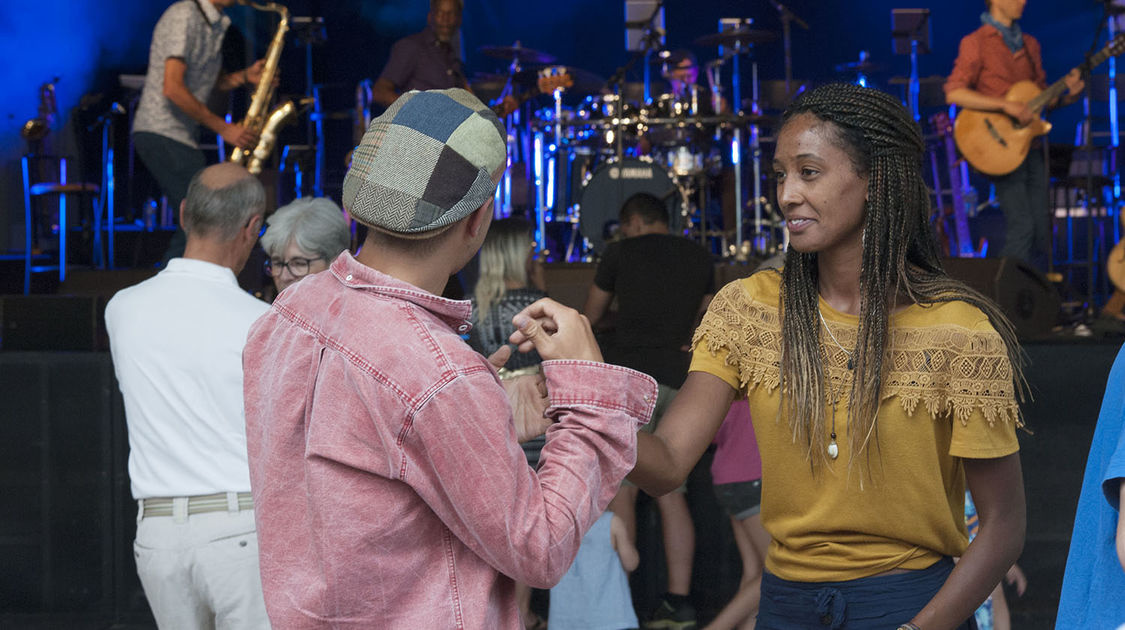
x=184, y=67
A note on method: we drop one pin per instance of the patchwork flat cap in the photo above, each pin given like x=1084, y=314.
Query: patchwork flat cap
x=426, y=163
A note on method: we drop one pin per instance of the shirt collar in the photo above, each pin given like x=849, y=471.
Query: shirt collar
x=1012, y=35
x=356, y=275
x=202, y=268
x=210, y=13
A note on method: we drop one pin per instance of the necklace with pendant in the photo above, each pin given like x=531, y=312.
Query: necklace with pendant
x=833, y=448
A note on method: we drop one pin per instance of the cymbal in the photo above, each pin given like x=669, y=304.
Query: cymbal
x=860, y=67
x=523, y=55
x=488, y=81
x=738, y=36
x=933, y=78
x=585, y=82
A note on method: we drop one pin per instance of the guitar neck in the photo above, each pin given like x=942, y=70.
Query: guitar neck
x=1053, y=91
x=1056, y=89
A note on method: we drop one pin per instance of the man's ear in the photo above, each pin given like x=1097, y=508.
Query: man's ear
x=479, y=219
x=183, y=204
x=254, y=227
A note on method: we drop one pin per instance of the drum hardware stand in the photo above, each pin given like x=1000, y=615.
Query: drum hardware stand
x=910, y=32
x=762, y=241
x=736, y=145
x=652, y=37
x=309, y=31
x=788, y=16
x=104, y=206
x=502, y=206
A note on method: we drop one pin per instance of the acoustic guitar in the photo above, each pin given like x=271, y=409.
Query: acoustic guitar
x=993, y=142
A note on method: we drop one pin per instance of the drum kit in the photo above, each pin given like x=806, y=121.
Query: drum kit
x=576, y=161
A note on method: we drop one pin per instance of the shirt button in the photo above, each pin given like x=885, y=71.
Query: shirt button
x=348, y=277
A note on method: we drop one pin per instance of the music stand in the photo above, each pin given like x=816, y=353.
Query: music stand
x=643, y=18
x=910, y=33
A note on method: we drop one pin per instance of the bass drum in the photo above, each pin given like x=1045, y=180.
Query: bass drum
x=613, y=183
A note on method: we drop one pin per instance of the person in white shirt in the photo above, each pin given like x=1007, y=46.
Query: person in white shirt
x=176, y=341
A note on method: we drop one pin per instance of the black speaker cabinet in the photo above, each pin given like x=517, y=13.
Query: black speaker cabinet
x=1028, y=299
x=52, y=322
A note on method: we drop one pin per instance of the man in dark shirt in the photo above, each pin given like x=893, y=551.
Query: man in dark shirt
x=429, y=60
x=663, y=284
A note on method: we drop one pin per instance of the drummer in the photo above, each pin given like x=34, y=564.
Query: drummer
x=429, y=59
x=681, y=70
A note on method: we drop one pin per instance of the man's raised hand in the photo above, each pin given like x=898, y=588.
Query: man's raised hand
x=555, y=331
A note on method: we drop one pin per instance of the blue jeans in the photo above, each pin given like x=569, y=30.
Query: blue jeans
x=882, y=602
x=1022, y=195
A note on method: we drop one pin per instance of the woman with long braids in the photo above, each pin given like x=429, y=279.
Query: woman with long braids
x=879, y=388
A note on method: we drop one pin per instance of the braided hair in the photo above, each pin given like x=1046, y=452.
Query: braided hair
x=900, y=262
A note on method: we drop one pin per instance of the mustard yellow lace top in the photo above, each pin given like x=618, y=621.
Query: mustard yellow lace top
x=948, y=394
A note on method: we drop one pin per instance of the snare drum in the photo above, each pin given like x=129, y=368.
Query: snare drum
x=612, y=184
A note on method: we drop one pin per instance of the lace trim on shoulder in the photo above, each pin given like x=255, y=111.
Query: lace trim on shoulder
x=751, y=333
x=951, y=369
x=948, y=369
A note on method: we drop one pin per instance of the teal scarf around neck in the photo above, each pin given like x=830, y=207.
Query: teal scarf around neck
x=1013, y=36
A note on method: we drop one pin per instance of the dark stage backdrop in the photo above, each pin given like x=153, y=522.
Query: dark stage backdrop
x=87, y=45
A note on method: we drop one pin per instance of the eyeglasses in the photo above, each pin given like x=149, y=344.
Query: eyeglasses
x=298, y=267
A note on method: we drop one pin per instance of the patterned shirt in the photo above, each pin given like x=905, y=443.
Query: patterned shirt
x=191, y=30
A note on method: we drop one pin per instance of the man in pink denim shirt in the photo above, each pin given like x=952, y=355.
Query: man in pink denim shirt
x=389, y=487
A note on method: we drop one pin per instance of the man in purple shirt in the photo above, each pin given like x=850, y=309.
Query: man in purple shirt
x=429, y=60
x=389, y=487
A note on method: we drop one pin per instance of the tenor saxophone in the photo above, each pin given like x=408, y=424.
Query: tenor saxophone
x=259, y=119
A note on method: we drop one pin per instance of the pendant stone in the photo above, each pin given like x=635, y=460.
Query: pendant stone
x=833, y=450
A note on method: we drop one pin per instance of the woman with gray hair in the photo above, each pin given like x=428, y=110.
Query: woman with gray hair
x=303, y=237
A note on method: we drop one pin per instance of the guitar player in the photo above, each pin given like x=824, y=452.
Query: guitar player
x=990, y=60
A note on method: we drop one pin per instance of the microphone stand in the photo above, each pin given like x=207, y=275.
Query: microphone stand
x=788, y=16
x=648, y=42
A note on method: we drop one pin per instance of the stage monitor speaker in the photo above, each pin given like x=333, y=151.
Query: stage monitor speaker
x=1027, y=298
x=52, y=323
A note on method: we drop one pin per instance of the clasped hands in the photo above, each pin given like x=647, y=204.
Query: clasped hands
x=556, y=332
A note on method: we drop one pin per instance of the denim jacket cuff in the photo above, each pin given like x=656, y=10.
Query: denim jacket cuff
x=603, y=385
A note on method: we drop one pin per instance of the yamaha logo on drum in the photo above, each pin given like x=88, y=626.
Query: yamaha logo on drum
x=630, y=173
